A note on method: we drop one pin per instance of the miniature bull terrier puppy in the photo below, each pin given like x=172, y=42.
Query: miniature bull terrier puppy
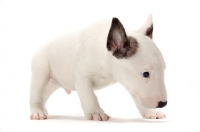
x=98, y=56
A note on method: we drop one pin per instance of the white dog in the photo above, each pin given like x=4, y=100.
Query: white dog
x=96, y=57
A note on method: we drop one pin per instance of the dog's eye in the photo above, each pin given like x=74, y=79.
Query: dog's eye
x=145, y=74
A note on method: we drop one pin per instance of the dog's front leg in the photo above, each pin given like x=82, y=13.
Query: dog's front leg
x=89, y=101
x=150, y=113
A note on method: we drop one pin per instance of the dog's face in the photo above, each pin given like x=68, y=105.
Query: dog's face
x=139, y=65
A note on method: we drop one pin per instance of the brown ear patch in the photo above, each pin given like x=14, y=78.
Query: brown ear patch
x=149, y=31
x=121, y=45
x=129, y=48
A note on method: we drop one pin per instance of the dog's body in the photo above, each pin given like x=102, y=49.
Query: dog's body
x=81, y=61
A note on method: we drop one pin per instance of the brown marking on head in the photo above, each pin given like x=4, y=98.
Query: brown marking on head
x=129, y=48
x=149, y=31
x=118, y=43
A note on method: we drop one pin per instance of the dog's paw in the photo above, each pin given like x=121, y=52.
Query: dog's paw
x=154, y=114
x=98, y=116
x=39, y=114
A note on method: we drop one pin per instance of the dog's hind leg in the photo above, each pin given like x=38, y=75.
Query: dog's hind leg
x=39, y=80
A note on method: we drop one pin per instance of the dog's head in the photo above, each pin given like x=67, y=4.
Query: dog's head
x=138, y=64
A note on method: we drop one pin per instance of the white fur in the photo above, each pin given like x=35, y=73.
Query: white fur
x=80, y=61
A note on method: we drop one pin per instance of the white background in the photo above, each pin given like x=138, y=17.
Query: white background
x=26, y=25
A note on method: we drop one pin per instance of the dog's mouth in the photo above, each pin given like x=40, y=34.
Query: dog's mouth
x=142, y=102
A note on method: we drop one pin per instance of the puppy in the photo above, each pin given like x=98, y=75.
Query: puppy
x=95, y=57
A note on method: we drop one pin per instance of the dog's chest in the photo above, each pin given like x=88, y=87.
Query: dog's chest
x=100, y=81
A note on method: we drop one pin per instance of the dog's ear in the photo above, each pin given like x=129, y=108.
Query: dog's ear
x=116, y=38
x=147, y=28
x=118, y=43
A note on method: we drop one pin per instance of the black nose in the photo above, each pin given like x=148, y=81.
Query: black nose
x=161, y=104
